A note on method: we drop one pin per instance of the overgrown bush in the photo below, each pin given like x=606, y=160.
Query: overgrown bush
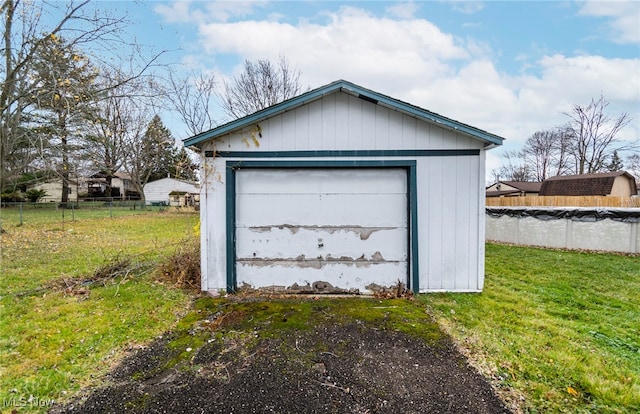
x=182, y=269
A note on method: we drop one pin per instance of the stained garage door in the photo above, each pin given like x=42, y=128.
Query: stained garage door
x=306, y=228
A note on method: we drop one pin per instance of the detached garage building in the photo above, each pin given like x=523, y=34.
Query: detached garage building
x=343, y=189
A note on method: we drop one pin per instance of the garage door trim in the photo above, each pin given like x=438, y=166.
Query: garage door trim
x=410, y=165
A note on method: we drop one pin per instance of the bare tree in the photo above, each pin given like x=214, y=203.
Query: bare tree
x=192, y=98
x=262, y=84
x=515, y=168
x=594, y=135
x=111, y=125
x=151, y=151
x=633, y=165
x=546, y=153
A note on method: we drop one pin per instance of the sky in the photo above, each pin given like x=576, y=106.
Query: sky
x=508, y=67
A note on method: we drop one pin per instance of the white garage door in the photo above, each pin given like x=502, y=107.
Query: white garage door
x=345, y=228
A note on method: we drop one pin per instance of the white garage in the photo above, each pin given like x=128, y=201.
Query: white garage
x=343, y=189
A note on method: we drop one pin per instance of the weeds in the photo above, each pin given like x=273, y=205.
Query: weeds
x=182, y=269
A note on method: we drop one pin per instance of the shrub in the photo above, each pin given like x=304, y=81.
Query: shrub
x=35, y=194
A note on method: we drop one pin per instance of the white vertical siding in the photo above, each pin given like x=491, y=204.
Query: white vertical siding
x=449, y=237
x=213, y=235
x=344, y=122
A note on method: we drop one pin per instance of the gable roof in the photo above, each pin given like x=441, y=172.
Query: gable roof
x=582, y=184
x=355, y=90
x=526, y=186
x=516, y=188
x=173, y=180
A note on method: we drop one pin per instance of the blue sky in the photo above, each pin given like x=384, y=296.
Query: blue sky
x=509, y=67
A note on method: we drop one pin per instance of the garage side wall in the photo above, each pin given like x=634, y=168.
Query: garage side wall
x=451, y=249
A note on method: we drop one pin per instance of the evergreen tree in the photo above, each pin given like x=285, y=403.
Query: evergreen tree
x=64, y=90
x=616, y=162
x=155, y=155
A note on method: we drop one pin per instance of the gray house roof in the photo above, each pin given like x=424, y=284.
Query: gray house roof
x=515, y=188
x=343, y=86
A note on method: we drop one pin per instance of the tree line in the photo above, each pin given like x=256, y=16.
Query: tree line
x=587, y=143
x=79, y=98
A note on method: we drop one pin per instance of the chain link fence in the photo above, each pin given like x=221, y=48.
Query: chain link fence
x=27, y=213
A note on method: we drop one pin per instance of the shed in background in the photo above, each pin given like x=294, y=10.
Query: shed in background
x=170, y=191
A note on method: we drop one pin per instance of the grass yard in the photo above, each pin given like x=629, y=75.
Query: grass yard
x=58, y=335
x=557, y=331
x=29, y=214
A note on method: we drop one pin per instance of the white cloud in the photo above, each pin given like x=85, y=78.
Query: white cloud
x=223, y=11
x=403, y=10
x=185, y=11
x=176, y=12
x=352, y=43
x=625, y=18
x=467, y=6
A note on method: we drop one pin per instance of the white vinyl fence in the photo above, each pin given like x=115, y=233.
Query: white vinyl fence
x=606, y=229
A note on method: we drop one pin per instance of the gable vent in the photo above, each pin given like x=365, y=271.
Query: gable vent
x=368, y=99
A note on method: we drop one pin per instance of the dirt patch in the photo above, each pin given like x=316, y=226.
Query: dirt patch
x=257, y=364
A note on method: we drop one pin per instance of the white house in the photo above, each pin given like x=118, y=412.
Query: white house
x=170, y=191
x=53, y=188
x=343, y=188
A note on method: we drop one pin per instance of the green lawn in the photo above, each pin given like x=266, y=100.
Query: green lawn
x=29, y=214
x=53, y=340
x=557, y=331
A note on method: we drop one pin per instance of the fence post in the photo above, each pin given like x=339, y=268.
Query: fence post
x=110, y=209
x=73, y=213
x=21, y=214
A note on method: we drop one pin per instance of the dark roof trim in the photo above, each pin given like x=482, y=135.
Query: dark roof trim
x=588, y=176
x=345, y=153
x=352, y=89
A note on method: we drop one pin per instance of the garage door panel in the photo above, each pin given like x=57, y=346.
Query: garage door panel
x=354, y=243
x=347, y=227
x=340, y=275
x=321, y=209
x=288, y=181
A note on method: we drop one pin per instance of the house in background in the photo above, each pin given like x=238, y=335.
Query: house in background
x=53, y=188
x=172, y=192
x=618, y=183
x=343, y=189
x=513, y=188
x=121, y=186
